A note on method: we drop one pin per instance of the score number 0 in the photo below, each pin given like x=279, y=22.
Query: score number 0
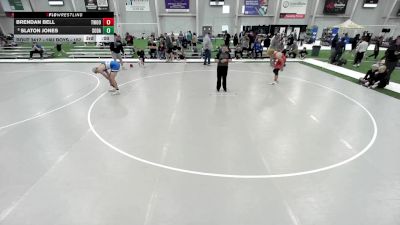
x=108, y=25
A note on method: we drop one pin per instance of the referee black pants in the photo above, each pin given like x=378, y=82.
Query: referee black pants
x=222, y=72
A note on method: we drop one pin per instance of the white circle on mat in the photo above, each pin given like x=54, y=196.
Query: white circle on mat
x=57, y=108
x=237, y=176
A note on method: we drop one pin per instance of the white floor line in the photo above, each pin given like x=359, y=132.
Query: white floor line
x=292, y=101
x=293, y=216
x=346, y=144
x=5, y=213
x=314, y=118
x=154, y=195
x=38, y=115
x=236, y=176
x=150, y=206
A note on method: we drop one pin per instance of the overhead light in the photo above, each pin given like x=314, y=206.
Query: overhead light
x=56, y=2
x=368, y=5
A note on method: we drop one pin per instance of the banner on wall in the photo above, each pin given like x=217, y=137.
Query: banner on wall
x=96, y=5
x=177, y=5
x=333, y=7
x=138, y=5
x=293, y=9
x=255, y=7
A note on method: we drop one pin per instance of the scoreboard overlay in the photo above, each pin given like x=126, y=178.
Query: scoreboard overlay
x=64, y=26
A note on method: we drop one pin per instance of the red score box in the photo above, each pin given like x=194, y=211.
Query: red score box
x=108, y=21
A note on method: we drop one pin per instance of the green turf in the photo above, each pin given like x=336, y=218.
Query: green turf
x=365, y=64
x=353, y=80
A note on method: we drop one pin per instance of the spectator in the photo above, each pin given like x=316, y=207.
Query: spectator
x=334, y=43
x=207, y=45
x=172, y=36
x=376, y=48
x=162, y=38
x=238, y=52
x=267, y=41
x=281, y=45
x=227, y=39
x=194, y=41
x=141, y=57
x=128, y=39
x=189, y=37
x=369, y=76
x=36, y=48
x=246, y=43
x=360, y=50
x=258, y=49
x=274, y=47
x=290, y=40
x=302, y=36
x=116, y=49
x=180, y=37
x=59, y=48
x=152, y=37
x=153, y=50
x=251, y=40
x=340, y=49
x=355, y=41
x=161, y=51
x=303, y=53
x=235, y=40
x=392, y=56
x=180, y=53
x=293, y=50
x=169, y=46
x=380, y=78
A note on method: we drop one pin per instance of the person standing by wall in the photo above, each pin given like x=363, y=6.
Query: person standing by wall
x=246, y=45
x=189, y=37
x=235, y=40
x=274, y=47
x=302, y=36
x=207, y=46
x=334, y=43
x=170, y=45
x=267, y=41
x=360, y=50
x=392, y=56
x=376, y=48
x=223, y=59
x=194, y=41
x=129, y=39
x=355, y=41
x=227, y=39
x=180, y=38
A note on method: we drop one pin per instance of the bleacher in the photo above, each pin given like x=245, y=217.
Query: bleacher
x=23, y=52
x=96, y=52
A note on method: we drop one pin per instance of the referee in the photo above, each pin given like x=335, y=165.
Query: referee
x=223, y=59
